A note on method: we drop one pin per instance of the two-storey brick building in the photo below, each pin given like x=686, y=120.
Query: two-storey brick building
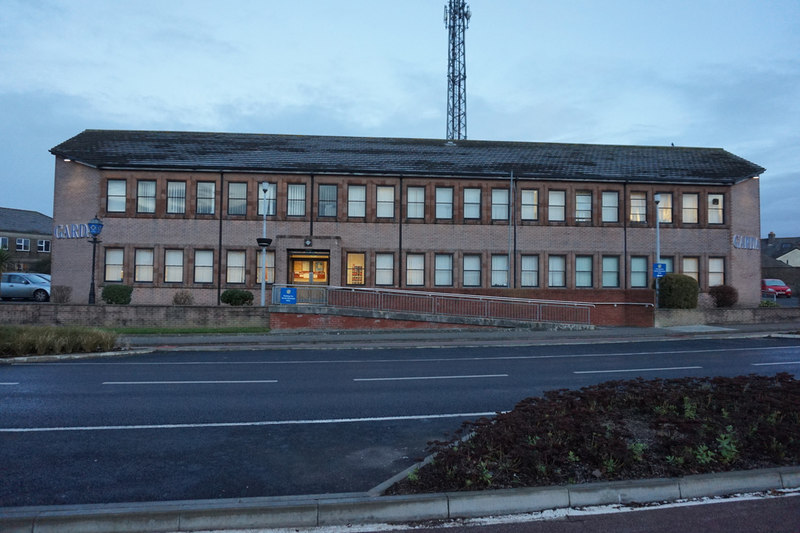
x=182, y=211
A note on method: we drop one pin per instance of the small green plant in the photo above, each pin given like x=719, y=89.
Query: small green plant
x=704, y=455
x=726, y=445
x=182, y=298
x=610, y=465
x=674, y=460
x=689, y=408
x=637, y=449
x=572, y=457
x=236, y=297
x=117, y=294
x=768, y=303
x=413, y=476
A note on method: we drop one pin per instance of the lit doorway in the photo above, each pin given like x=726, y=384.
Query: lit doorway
x=309, y=268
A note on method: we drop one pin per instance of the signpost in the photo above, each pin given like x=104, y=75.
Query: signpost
x=659, y=270
x=288, y=295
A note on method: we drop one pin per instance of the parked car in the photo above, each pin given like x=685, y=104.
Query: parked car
x=776, y=287
x=46, y=277
x=21, y=285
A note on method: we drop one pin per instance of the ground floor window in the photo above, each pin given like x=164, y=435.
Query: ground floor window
x=204, y=266
x=270, y=266
x=384, y=269
x=610, y=271
x=143, y=268
x=173, y=266
x=638, y=272
x=309, y=268
x=355, y=268
x=691, y=267
x=557, y=271
x=472, y=270
x=716, y=271
x=415, y=270
x=443, y=266
x=235, y=272
x=114, y=264
x=583, y=271
x=530, y=271
x=500, y=271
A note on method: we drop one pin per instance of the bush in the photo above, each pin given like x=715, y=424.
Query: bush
x=117, y=294
x=768, y=303
x=182, y=298
x=60, y=294
x=677, y=291
x=237, y=297
x=724, y=295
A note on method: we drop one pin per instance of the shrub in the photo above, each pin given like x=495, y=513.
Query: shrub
x=237, y=297
x=677, y=291
x=117, y=294
x=182, y=298
x=60, y=294
x=724, y=295
x=768, y=303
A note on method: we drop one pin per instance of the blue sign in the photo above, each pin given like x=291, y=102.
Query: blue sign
x=288, y=295
x=659, y=270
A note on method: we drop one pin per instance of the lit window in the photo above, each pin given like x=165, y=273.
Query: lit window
x=296, y=200
x=176, y=197
x=690, y=208
x=356, y=200
x=610, y=201
x=691, y=267
x=665, y=208
x=115, y=196
x=416, y=202
x=638, y=207
x=384, y=269
x=638, y=272
x=235, y=267
x=173, y=266
x=583, y=206
x=146, y=197
x=237, y=198
x=472, y=203
x=114, y=262
x=499, y=204
x=556, y=206
x=272, y=199
x=610, y=271
x=443, y=270
x=143, y=267
x=499, y=271
x=444, y=203
x=472, y=271
x=716, y=271
x=206, y=197
x=583, y=271
x=270, y=266
x=529, y=209
x=204, y=266
x=530, y=271
x=415, y=270
x=716, y=209
x=385, y=197
x=355, y=268
x=556, y=271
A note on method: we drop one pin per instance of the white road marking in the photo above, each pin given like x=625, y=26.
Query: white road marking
x=10, y=383
x=250, y=424
x=412, y=378
x=781, y=363
x=187, y=382
x=636, y=370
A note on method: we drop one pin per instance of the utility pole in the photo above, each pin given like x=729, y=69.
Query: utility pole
x=456, y=20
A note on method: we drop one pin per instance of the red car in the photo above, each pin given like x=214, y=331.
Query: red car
x=776, y=287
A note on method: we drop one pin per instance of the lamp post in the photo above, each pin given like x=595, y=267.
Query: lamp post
x=95, y=227
x=657, y=199
x=263, y=242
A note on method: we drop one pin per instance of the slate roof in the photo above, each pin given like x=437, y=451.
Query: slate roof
x=778, y=246
x=22, y=221
x=161, y=150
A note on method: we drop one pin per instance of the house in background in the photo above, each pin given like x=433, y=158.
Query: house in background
x=27, y=236
x=780, y=259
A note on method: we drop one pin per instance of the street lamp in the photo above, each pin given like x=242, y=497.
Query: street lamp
x=95, y=227
x=263, y=242
x=657, y=199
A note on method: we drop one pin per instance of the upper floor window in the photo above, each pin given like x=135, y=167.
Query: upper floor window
x=416, y=202
x=206, y=197
x=43, y=245
x=665, y=208
x=385, y=202
x=472, y=203
x=237, y=198
x=583, y=206
x=271, y=198
x=610, y=208
x=716, y=203
x=444, y=203
x=115, y=196
x=529, y=204
x=176, y=197
x=327, y=200
x=356, y=200
x=23, y=245
x=638, y=207
x=689, y=209
x=499, y=204
x=146, y=196
x=557, y=206
x=296, y=200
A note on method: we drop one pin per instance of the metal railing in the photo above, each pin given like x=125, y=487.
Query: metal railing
x=437, y=303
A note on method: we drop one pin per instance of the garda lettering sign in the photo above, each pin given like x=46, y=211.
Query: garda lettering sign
x=659, y=270
x=288, y=295
x=746, y=243
x=71, y=231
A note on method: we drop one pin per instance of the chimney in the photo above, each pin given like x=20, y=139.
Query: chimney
x=771, y=238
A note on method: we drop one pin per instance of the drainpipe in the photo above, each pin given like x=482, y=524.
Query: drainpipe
x=400, y=237
x=219, y=238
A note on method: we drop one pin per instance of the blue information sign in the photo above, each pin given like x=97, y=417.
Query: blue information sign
x=659, y=270
x=288, y=295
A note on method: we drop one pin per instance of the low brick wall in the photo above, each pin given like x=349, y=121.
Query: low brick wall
x=133, y=315
x=751, y=315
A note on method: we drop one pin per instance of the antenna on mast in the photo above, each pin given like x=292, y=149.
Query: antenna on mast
x=456, y=20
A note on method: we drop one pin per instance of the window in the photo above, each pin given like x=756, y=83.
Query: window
x=443, y=270
x=146, y=197
x=415, y=269
x=271, y=198
x=638, y=272
x=114, y=261
x=638, y=207
x=583, y=271
x=610, y=201
x=444, y=203
x=610, y=271
x=206, y=196
x=3, y=243
x=669, y=264
x=472, y=270
x=691, y=267
x=356, y=200
x=176, y=197
x=143, y=266
x=716, y=271
x=43, y=246
x=530, y=271
x=385, y=196
x=715, y=209
x=296, y=200
x=203, y=266
x=23, y=245
x=472, y=203
x=499, y=204
x=583, y=206
x=556, y=206
x=384, y=269
x=665, y=208
x=237, y=198
x=173, y=266
x=327, y=201
x=529, y=208
x=235, y=267
x=355, y=268
x=556, y=271
x=416, y=202
x=499, y=271
x=270, y=266
x=115, y=196
x=691, y=202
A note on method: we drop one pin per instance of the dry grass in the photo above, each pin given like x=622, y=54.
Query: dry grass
x=41, y=340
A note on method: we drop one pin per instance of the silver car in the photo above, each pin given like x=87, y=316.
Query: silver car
x=21, y=285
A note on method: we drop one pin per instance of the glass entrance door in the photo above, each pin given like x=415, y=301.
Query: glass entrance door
x=309, y=268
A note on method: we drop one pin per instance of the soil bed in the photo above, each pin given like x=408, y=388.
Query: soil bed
x=622, y=430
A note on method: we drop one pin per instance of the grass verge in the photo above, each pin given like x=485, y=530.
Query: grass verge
x=622, y=430
x=41, y=340
x=186, y=330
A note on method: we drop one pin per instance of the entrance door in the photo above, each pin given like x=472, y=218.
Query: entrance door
x=309, y=268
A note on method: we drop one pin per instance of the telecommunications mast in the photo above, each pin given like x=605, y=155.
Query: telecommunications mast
x=456, y=20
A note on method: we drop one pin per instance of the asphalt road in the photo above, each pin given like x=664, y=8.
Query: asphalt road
x=262, y=422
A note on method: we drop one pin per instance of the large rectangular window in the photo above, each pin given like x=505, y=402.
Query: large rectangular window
x=638, y=207
x=237, y=198
x=270, y=266
x=356, y=201
x=444, y=203
x=610, y=207
x=583, y=271
x=415, y=207
x=272, y=198
x=296, y=200
x=114, y=264
x=236, y=267
x=3, y=243
x=206, y=197
x=716, y=271
x=415, y=270
x=583, y=206
x=146, y=196
x=665, y=208
x=500, y=270
x=556, y=206
x=472, y=270
x=327, y=200
x=611, y=271
x=557, y=271
x=716, y=209
x=143, y=265
x=691, y=267
x=689, y=209
x=472, y=203
x=530, y=271
x=384, y=269
x=356, y=268
x=529, y=204
x=115, y=196
x=385, y=197
x=443, y=270
x=173, y=266
x=176, y=197
x=204, y=266
x=638, y=272
x=499, y=204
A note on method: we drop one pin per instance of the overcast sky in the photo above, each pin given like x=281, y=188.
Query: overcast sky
x=704, y=73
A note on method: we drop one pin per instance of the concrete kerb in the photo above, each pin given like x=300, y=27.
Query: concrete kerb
x=360, y=508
